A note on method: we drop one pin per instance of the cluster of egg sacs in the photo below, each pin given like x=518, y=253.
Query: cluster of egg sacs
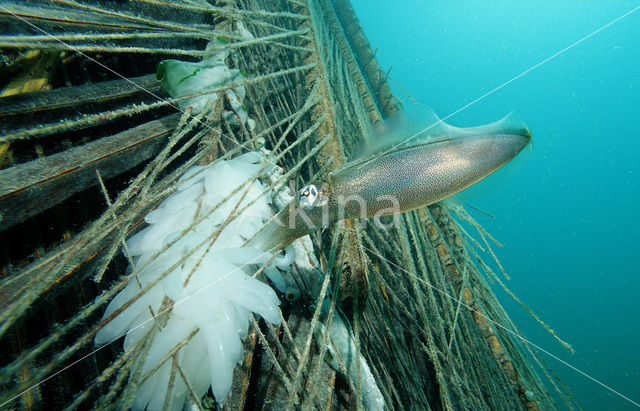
x=209, y=282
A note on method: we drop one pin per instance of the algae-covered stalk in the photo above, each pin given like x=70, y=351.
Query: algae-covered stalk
x=209, y=281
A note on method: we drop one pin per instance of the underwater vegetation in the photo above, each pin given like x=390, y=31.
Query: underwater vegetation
x=204, y=243
x=171, y=259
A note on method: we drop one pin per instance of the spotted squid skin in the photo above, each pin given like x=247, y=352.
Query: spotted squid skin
x=424, y=174
x=395, y=181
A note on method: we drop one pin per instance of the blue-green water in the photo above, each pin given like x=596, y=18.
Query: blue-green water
x=567, y=214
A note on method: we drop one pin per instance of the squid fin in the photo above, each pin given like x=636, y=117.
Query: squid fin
x=418, y=124
x=413, y=125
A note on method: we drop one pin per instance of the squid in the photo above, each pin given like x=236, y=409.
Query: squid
x=402, y=167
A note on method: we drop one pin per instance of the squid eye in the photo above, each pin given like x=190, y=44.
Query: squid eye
x=308, y=195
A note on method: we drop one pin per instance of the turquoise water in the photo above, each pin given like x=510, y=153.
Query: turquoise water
x=567, y=213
